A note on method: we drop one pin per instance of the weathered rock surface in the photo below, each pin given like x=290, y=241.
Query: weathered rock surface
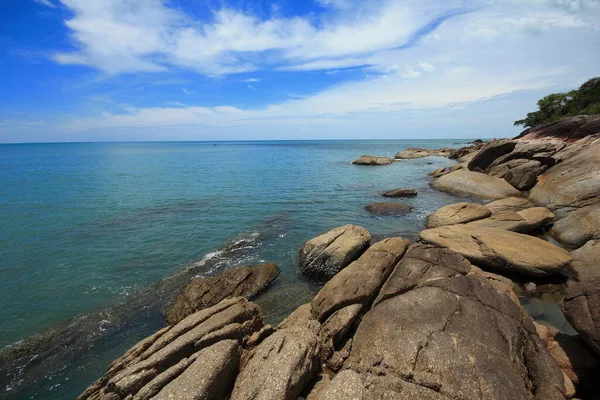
x=207, y=342
x=202, y=293
x=400, y=193
x=325, y=255
x=372, y=160
x=578, y=227
x=572, y=184
x=416, y=152
x=458, y=213
x=582, y=294
x=501, y=169
x=524, y=176
x=469, y=183
x=446, y=170
x=509, y=204
x=572, y=128
x=387, y=208
x=525, y=221
x=490, y=152
x=500, y=251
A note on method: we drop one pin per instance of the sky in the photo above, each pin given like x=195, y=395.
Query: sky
x=129, y=70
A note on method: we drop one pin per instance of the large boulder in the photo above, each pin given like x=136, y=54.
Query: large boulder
x=509, y=204
x=525, y=221
x=202, y=293
x=458, y=213
x=417, y=152
x=490, y=152
x=468, y=183
x=388, y=208
x=372, y=160
x=572, y=128
x=499, y=250
x=582, y=294
x=194, y=359
x=572, y=184
x=524, y=177
x=578, y=227
x=400, y=193
x=326, y=255
x=501, y=169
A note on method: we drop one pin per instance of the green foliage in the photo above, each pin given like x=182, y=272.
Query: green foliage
x=582, y=101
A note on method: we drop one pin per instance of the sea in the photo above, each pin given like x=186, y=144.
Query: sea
x=96, y=239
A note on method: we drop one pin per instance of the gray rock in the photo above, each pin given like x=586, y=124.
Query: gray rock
x=499, y=250
x=578, y=227
x=500, y=170
x=490, y=152
x=467, y=183
x=326, y=255
x=458, y=213
x=202, y=293
x=387, y=208
x=509, y=204
x=525, y=221
x=400, y=193
x=524, y=177
x=372, y=160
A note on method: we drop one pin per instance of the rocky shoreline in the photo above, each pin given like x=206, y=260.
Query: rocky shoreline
x=434, y=319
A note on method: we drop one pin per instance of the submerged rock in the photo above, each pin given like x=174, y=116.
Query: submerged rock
x=372, y=160
x=458, y=213
x=386, y=208
x=525, y=221
x=499, y=250
x=469, y=183
x=400, y=193
x=202, y=293
x=327, y=254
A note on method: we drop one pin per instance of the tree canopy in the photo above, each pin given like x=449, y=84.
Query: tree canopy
x=582, y=101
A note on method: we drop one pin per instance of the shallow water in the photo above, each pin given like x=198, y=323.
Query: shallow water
x=98, y=238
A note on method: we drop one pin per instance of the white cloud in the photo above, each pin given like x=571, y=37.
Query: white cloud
x=251, y=80
x=46, y=3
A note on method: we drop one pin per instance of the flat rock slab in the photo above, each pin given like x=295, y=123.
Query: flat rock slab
x=417, y=152
x=525, y=221
x=391, y=209
x=324, y=256
x=372, y=160
x=578, y=227
x=400, y=193
x=509, y=204
x=202, y=293
x=499, y=250
x=468, y=183
x=458, y=213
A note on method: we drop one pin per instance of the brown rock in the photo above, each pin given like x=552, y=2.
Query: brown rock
x=509, y=204
x=524, y=177
x=578, y=227
x=569, y=129
x=386, y=208
x=202, y=293
x=459, y=213
x=468, y=183
x=490, y=152
x=500, y=170
x=400, y=193
x=417, y=152
x=372, y=160
x=525, y=221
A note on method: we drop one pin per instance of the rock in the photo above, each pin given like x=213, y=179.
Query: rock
x=486, y=156
x=416, y=152
x=572, y=184
x=524, y=177
x=446, y=170
x=500, y=170
x=372, y=160
x=458, y=213
x=466, y=152
x=202, y=293
x=572, y=128
x=400, y=193
x=509, y=204
x=578, y=227
x=582, y=294
x=525, y=221
x=360, y=281
x=500, y=251
x=281, y=366
x=386, y=208
x=207, y=342
x=326, y=255
x=468, y=183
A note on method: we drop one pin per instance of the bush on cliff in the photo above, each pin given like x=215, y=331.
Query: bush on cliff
x=582, y=101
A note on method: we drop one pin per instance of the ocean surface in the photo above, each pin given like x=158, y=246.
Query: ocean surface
x=96, y=239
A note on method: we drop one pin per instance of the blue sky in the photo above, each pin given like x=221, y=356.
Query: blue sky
x=111, y=70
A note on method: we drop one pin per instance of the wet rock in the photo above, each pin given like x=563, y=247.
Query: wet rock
x=525, y=221
x=202, y=293
x=509, y=204
x=578, y=227
x=468, y=183
x=386, y=208
x=209, y=337
x=326, y=255
x=500, y=251
x=524, y=177
x=582, y=294
x=459, y=213
x=372, y=160
x=416, y=152
x=400, y=193
x=490, y=152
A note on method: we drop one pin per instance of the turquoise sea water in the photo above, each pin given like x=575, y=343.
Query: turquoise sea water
x=96, y=239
